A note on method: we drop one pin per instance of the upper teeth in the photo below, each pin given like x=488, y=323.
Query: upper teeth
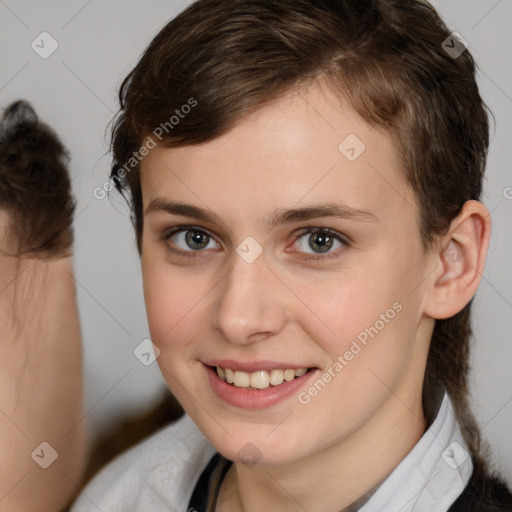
x=259, y=380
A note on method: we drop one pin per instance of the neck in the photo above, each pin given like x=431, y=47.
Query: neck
x=340, y=478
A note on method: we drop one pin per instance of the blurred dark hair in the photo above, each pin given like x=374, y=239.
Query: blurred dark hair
x=35, y=189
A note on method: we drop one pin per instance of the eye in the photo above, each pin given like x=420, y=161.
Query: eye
x=189, y=240
x=314, y=244
x=319, y=242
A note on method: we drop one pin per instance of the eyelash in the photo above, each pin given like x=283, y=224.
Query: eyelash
x=312, y=257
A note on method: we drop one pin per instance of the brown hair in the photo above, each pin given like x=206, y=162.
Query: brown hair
x=385, y=57
x=35, y=189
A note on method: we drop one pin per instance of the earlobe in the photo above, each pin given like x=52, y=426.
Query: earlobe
x=460, y=261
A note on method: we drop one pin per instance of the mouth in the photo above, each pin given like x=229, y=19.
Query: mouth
x=261, y=379
x=264, y=384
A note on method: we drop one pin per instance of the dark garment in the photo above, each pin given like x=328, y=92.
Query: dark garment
x=204, y=496
x=483, y=493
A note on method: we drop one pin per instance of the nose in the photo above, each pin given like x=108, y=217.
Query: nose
x=250, y=303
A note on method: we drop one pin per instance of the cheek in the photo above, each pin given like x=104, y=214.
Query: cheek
x=368, y=356
x=170, y=299
x=365, y=319
x=178, y=303
x=175, y=319
x=340, y=307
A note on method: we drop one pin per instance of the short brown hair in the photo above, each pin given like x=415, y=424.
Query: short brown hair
x=385, y=57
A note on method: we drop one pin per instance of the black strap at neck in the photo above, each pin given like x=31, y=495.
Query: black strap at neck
x=205, y=493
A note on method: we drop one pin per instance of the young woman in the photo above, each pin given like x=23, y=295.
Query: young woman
x=305, y=181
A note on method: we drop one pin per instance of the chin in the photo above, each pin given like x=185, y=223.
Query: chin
x=251, y=445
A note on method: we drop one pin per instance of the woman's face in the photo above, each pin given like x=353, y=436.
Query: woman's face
x=290, y=242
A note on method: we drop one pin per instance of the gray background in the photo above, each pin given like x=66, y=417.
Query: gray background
x=74, y=90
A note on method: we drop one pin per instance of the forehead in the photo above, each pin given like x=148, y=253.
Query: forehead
x=300, y=149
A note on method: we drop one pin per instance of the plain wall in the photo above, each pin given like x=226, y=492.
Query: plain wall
x=74, y=90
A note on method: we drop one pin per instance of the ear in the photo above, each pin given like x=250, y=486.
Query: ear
x=459, y=261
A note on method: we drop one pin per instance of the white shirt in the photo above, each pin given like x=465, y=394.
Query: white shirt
x=160, y=473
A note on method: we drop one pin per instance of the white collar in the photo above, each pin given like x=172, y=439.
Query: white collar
x=160, y=473
x=432, y=475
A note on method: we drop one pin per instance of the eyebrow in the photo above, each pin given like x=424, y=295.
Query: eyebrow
x=278, y=217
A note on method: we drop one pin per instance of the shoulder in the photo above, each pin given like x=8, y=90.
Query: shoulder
x=485, y=492
x=156, y=475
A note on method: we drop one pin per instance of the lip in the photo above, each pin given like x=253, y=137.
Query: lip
x=254, y=366
x=256, y=398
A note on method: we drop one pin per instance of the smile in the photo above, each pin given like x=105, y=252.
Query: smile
x=260, y=379
x=256, y=388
